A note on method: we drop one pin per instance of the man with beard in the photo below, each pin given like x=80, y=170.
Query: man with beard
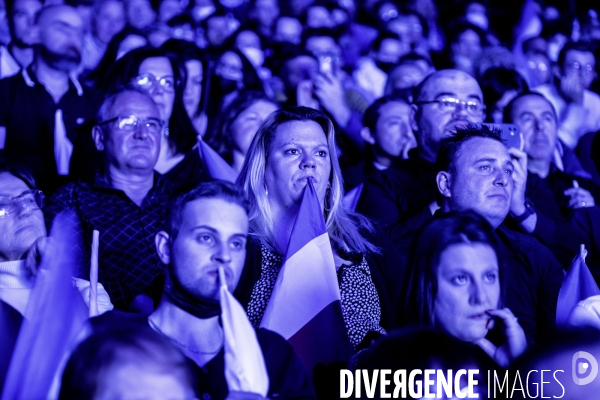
x=19, y=52
x=405, y=193
x=43, y=108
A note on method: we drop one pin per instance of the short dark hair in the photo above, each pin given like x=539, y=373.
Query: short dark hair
x=430, y=242
x=108, y=348
x=450, y=146
x=206, y=190
x=496, y=81
x=19, y=172
x=576, y=46
x=221, y=138
x=371, y=115
x=509, y=107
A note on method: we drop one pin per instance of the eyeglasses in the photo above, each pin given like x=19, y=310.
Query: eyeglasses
x=450, y=104
x=146, y=81
x=131, y=122
x=575, y=67
x=29, y=200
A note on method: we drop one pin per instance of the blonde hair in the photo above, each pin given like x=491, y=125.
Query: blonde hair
x=342, y=225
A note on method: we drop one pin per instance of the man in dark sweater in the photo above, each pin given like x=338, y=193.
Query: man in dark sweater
x=207, y=228
x=572, y=197
x=477, y=172
x=405, y=193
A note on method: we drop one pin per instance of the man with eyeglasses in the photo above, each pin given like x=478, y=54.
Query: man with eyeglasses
x=43, y=109
x=126, y=202
x=575, y=105
x=404, y=194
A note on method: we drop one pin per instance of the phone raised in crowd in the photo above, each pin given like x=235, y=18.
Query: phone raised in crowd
x=511, y=136
x=326, y=64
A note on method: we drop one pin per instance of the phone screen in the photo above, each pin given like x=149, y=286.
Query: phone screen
x=511, y=136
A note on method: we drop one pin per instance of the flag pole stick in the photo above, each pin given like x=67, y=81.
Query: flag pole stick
x=94, y=275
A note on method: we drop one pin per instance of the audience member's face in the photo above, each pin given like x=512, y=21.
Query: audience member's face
x=322, y=45
x=230, y=67
x=134, y=380
x=408, y=27
x=393, y=128
x=433, y=122
x=23, y=20
x=160, y=67
x=298, y=153
x=318, y=17
x=109, y=21
x=193, y=87
x=390, y=51
x=167, y=9
x=61, y=37
x=581, y=64
x=406, y=76
x=266, y=11
x=299, y=69
x=140, y=13
x=468, y=285
x=537, y=122
x=539, y=69
x=245, y=126
x=247, y=38
x=131, y=150
x=213, y=233
x=468, y=45
x=217, y=31
x=19, y=230
x=483, y=180
x=249, y=44
x=288, y=29
x=131, y=42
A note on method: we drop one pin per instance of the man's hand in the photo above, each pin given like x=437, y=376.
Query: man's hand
x=330, y=93
x=572, y=89
x=36, y=252
x=579, y=198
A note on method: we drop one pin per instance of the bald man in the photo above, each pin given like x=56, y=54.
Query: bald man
x=44, y=108
x=405, y=193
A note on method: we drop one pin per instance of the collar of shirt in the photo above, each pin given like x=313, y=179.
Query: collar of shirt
x=31, y=80
x=160, y=185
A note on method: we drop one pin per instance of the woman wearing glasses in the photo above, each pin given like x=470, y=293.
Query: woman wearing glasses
x=156, y=72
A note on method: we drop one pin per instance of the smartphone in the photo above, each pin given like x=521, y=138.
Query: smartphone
x=511, y=136
x=326, y=64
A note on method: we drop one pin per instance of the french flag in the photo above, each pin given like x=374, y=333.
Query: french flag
x=305, y=306
x=579, y=284
x=215, y=165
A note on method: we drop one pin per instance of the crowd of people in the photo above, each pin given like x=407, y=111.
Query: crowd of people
x=398, y=114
